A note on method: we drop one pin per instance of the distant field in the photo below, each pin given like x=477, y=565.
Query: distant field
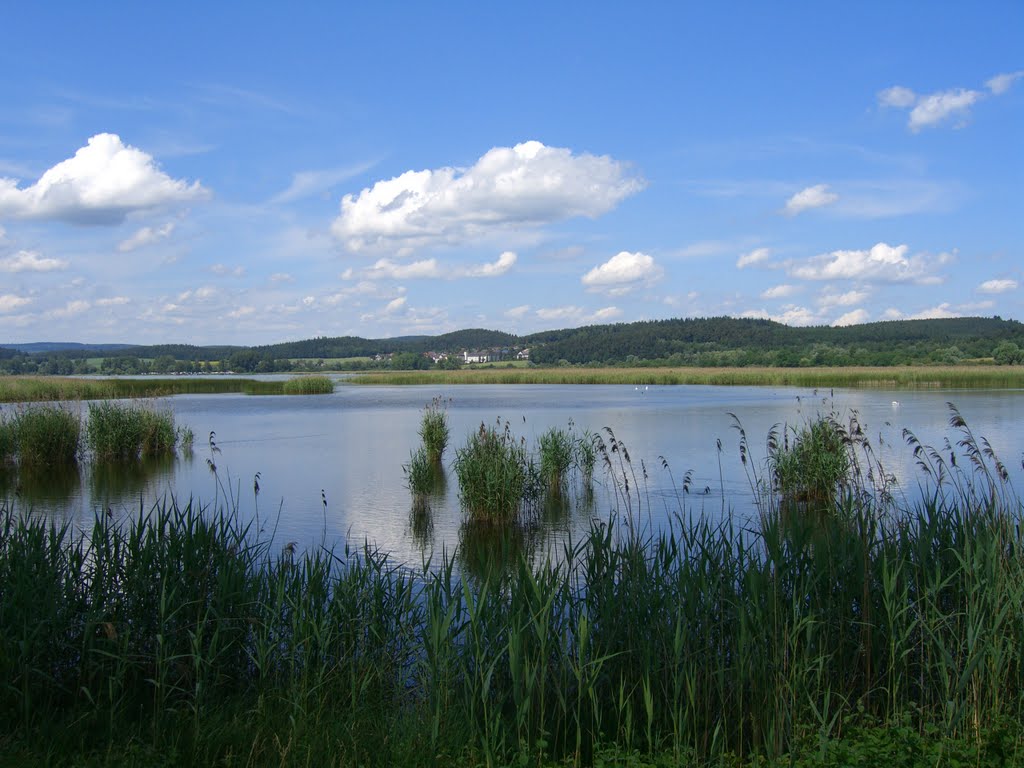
x=912, y=377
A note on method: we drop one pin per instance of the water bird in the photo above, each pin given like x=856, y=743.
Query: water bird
x=895, y=403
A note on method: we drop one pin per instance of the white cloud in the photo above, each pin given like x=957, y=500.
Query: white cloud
x=9, y=302
x=30, y=261
x=997, y=286
x=897, y=96
x=281, y=277
x=943, y=310
x=623, y=272
x=779, y=292
x=791, y=315
x=937, y=107
x=854, y=317
x=756, y=256
x=145, y=236
x=386, y=269
x=517, y=313
x=114, y=301
x=70, y=309
x=241, y=312
x=527, y=185
x=812, y=197
x=101, y=184
x=308, y=301
x=881, y=263
x=574, y=315
x=3, y=235
x=309, y=183
x=848, y=299
x=394, y=305
x=1001, y=83
x=223, y=270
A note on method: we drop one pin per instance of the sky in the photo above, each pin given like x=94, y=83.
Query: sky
x=251, y=173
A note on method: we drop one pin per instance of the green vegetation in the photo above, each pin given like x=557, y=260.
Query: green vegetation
x=434, y=429
x=119, y=432
x=308, y=385
x=26, y=389
x=812, y=465
x=937, y=377
x=46, y=436
x=557, y=451
x=495, y=474
x=876, y=634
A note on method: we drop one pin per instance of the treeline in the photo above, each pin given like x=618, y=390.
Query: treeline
x=716, y=341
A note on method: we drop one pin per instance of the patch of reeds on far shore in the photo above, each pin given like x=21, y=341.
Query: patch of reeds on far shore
x=308, y=385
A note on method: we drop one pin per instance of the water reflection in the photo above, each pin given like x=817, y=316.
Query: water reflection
x=113, y=484
x=46, y=487
x=488, y=550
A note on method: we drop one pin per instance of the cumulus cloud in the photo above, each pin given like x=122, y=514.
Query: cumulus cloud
x=524, y=186
x=756, y=256
x=394, y=305
x=791, y=314
x=517, y=312
x=9, y=302
x=1001, y=83
x=113, y=301
x=145, y=236
x=575, y=315
x=241, y=312
x=854, y=317
x=71, y=309
x=934, y=108
x=387, y=269
x=779, y=292
x=30, y=261
x=933, y=313
x=104, y=182
x=881, y=263
x=997, y=286
x=812, y=197
x=847, y=299
x=623, y=272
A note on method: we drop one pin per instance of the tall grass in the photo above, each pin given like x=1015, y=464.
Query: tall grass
x=907, y=377
x=26, y=389
x=121, y=432
x=557, y=452
x=46, y=436
x=308, y=385
x=8, y=439
x=182, y=632
x=495, y=473
x=434, y=429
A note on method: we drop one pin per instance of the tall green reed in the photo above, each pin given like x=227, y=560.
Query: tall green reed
x=434, y=430
x=47, y=436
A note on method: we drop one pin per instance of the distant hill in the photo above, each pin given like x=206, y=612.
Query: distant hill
x=690, y=341
x=41, y=347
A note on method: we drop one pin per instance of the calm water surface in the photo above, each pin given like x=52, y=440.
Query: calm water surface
x=330, y=467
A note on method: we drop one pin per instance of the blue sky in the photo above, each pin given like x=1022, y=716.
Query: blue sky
x=251, y=173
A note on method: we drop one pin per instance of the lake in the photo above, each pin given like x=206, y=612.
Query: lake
x=330, y=466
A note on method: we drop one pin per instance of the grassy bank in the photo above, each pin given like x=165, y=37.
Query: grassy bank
x=913, y=377
x=854, y=631
x=25, y=389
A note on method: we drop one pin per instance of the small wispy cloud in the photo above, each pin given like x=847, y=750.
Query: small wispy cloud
x=817, y=196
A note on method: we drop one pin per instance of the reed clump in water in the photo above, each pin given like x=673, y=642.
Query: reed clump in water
x=126, y=432
x=495, y=474
x=434, y=430
x=557, y=450
x=46, y=436
x=308, y=385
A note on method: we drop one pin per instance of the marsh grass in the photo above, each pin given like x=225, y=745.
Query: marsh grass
x=557, y=449
x=434, y=430
x=308, y=385
x=120, y=432
x=811, y=465
x=870, y=636
x=905, y=377
x=26, y=389
x=46, y=436
x=8, y=439
x=496, y=474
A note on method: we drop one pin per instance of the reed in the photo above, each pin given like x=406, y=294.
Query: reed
x=556, y=448
x=123, y=432
x=905, y=377
x=495, y=474
x=47, y=436
x=434, y=429
x=873, y=635
x=308, y=385
x=8, y=439
x=26, y=389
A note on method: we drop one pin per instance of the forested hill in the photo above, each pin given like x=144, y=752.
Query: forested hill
x=735, y=341
x=716, y=341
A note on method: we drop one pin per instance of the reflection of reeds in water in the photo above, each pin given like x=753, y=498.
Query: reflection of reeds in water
x=48, y=487
x=114, y=483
